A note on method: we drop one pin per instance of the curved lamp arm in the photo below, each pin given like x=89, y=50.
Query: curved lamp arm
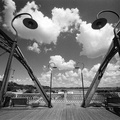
x=52, y=66
x=77, y=67
x=107, y=11
x=103, y=11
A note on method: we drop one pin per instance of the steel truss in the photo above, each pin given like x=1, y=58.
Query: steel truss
x=6, y=43
x=113, y=49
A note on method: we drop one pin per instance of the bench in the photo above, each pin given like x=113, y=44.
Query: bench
x=19, y=101
x=113, y=103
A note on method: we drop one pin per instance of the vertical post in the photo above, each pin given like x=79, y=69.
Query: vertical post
x=6, y=75
x=9, y=62
x=91, y=91
x=77, y=67
x=50, y=67
x=82, y=86
x=8, y=66
x=50, y=87
x=113, y=49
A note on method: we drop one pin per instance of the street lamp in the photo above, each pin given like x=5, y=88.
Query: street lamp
x=113, y=49
x=50, y=66
x=77, y=67
x=101, y=22
x=12, y=73
x=31, y=24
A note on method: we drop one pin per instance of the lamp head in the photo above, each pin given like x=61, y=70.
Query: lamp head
x=99, y=23
x=30, y=23
x=54, y=67
x=77, y=67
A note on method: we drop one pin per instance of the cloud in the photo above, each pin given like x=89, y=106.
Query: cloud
x=34, y=47
x=47, y=49
x=95, y=43
x=72, y=78
x=65, y=18
x=48, y=28
x=71, y=73
x=61, y=64
x=1, y=77
x=26, y=81
x=46, y=32
x=67, y=79
x=117, y=57
x=9, y=10
x=45, y=78
x=110, y=77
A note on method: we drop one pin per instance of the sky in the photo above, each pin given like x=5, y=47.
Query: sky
x=64, y=37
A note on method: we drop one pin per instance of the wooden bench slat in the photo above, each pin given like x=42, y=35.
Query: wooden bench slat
x=113, y=105
x=19, y=101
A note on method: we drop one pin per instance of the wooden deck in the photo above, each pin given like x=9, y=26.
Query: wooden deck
x=60, y=111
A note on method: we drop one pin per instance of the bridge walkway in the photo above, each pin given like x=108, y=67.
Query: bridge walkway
x=60, y=111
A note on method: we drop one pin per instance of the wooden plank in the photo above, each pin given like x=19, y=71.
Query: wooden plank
x=14, y=115
x=69, y=113
x=38, y=115
x=107, y=115
x=81, y=114
x=60, y=111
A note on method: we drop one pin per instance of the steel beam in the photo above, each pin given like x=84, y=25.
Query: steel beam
x=113, y=49
x=5, y=43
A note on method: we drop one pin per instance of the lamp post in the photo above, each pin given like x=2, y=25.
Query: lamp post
x=50, y=66
x=28, y=22
x=77, y=67
x=113, y=49
x=101, y=22
x=12, y=73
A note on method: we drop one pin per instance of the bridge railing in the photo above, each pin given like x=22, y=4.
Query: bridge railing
x=65, y=97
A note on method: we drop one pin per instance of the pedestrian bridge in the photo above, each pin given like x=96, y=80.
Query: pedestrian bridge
x=60, y=111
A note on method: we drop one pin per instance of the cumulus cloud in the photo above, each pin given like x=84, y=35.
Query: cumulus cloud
x=26, y=81
x=45, y=78
x=72, y=78
x=1, y=77
x=34, y=47
x=9, y=10
x=71, y=73
x=110, y=77
x=95, y=43
x=65, y=18
x=61, y=64
x=48, y=28
x=47, y=49
x=67, y=79
x=117, y=57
